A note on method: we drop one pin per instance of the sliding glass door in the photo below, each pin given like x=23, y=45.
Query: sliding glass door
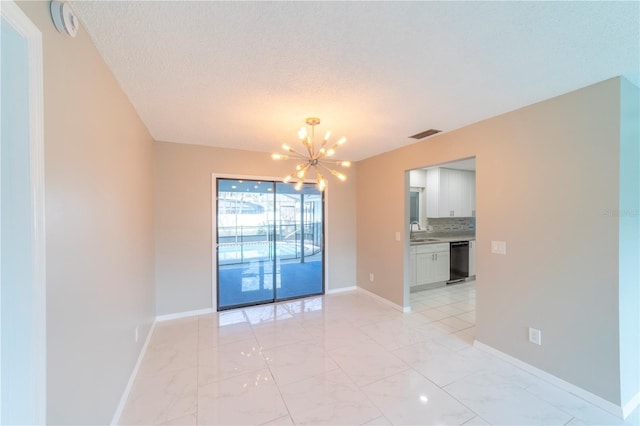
x=269, y=242
x=298, y=241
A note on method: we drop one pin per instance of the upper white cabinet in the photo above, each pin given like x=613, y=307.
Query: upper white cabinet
x=417, y=178
x=451, y=193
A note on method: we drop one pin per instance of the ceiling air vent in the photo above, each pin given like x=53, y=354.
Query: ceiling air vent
x=425, y=134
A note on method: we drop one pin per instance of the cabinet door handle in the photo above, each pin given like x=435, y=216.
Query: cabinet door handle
x=436, y=257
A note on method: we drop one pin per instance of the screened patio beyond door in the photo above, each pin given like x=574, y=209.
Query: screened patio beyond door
x=269, y=242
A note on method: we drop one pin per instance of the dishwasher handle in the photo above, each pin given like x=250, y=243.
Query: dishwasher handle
x=460, y=244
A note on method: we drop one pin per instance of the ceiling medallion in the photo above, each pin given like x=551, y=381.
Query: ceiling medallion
x=317, y=156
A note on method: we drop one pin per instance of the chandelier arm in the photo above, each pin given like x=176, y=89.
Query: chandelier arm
x=309, y=147
x=342, y=163
x=334, y=172
x=326, y=168
x=312, y=140
x=302, y=173
x=297, y=153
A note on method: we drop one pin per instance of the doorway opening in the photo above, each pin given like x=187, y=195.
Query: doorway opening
x=441, y=216
x=22, y=237
x=269, y=242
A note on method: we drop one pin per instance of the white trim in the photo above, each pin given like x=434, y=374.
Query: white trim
x=132, y=378
x=596, y=400
x=325, y=239
x=186, y=314
x=630, y=406
x=341, y=290
x=405, y=309
x=15, y=17
x=214, y=248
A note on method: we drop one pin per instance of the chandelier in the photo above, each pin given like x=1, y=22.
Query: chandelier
x=317, y=156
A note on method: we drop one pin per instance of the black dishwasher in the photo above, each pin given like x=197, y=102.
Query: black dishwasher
x=459, y=261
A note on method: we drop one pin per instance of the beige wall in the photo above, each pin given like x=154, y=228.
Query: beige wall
x=184, y=221
x=99, y=228
x=546, y=174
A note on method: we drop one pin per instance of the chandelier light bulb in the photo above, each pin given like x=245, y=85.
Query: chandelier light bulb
x=322, y=183
x=338, y=175
x=302, y=133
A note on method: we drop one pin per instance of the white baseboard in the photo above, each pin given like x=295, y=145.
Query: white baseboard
x=341, y=290
x=132, y=378
x=404, y=309
x=186, y=314
x=630, y=406
x=596, y=400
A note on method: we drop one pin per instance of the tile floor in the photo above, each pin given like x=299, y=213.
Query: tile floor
x=342, y=359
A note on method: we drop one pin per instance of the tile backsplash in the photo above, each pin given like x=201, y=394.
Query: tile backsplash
x=449, y=224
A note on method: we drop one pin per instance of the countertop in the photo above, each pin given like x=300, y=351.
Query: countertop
x=444, y=239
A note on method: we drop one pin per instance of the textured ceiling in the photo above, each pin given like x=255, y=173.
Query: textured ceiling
x=246, y=74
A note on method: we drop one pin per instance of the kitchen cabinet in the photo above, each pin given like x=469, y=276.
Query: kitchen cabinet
x=471, y=188
x=450, y=192
x=472, y=258
x=417, y=178
x=429, y=263
x=412, y=266
x=441, y=266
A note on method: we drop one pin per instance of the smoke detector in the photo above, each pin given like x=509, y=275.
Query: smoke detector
x=64, y=19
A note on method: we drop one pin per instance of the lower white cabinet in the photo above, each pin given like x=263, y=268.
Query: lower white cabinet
x=412, y=266
x=472, y=258
x=429, y=263
x=441, y=266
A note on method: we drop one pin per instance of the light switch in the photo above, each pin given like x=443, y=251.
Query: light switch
x=499, y=247
x=398, y=236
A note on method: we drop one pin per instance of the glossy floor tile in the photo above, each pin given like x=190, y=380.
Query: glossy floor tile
x=343, y=359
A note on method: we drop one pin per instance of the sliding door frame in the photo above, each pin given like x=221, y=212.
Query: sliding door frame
x=214, y=229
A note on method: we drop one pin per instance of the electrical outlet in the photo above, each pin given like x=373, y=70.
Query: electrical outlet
x=371, y=276
x=136, y=334
x=535, y=336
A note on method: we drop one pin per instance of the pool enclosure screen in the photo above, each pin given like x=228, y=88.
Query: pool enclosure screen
x=269, y=242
